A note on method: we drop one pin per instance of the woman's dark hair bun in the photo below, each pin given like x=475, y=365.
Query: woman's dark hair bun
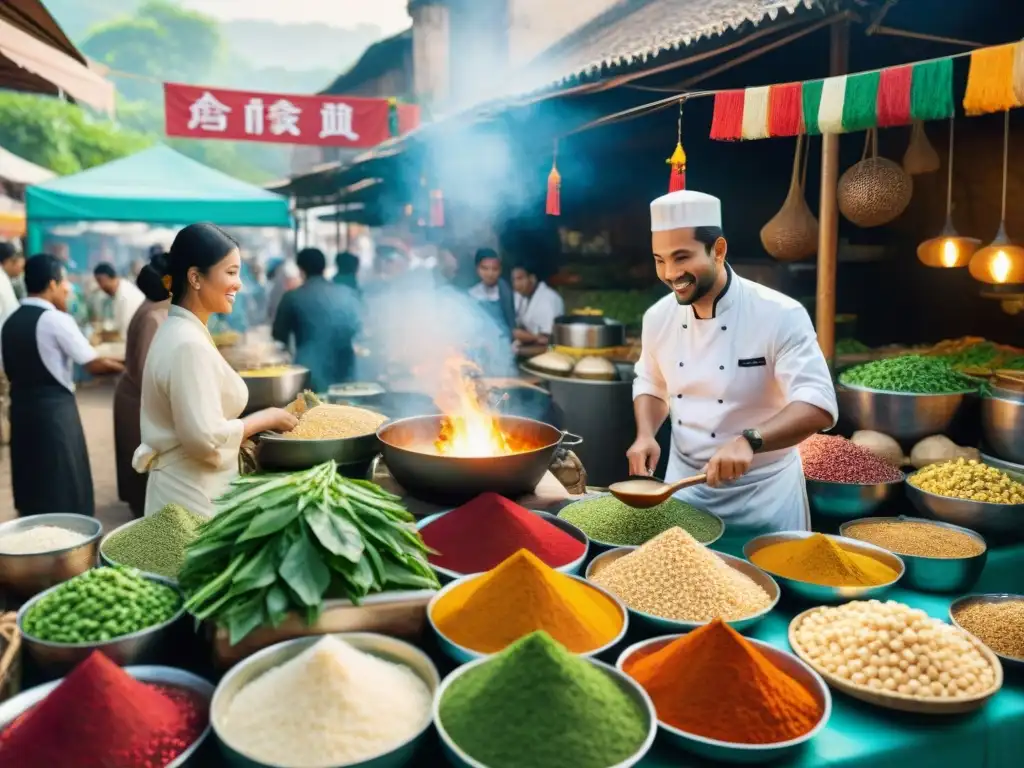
x=151, y=278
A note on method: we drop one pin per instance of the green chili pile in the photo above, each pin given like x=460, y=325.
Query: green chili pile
x=286, y=542
x=100, y=605
x=606, y=519
x=155, y=544
x=909, y=374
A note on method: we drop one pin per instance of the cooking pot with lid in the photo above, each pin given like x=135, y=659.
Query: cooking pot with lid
x=588, y=332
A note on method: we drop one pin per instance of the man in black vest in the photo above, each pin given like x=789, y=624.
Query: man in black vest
x=40, y=344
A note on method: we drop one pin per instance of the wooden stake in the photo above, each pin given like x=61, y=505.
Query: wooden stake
x=828, y=210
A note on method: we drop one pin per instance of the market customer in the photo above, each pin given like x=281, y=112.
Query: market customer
x=40, y=342
x=736, y=367
x=12, y=265
x=493, y=292
x=125, y=297
x=537, y=306
x=192, y=400
x=131, y=486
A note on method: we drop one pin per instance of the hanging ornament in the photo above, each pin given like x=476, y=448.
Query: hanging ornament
x=553, y=206
x=677, y=177
x=394, y=124
x=948, y=249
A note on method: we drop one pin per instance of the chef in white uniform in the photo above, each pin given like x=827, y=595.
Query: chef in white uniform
x=736, y=367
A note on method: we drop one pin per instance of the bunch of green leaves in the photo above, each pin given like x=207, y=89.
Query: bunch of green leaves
x=911, y=374
x=286, y=542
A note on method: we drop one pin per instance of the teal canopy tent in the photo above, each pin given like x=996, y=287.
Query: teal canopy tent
x=156, y=186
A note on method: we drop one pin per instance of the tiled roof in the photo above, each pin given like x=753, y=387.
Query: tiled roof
x=636, y=30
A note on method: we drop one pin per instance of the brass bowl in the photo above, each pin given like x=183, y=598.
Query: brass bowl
x=29, y=574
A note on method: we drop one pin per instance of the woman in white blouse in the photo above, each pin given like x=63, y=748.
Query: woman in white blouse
x=192, y=400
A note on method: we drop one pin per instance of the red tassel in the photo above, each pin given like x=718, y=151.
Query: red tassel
x=436, y=208
x=894, y=96
x=727, y=121
x=677, y=179
x=786, y=110
x=553, y=207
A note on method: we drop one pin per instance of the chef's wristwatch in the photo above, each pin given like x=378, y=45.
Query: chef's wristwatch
x=753, y=437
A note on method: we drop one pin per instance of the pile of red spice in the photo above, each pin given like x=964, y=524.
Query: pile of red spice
x=102, y=717
x=837, y=460
x=484, y=532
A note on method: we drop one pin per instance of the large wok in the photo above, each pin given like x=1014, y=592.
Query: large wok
x=448, y=479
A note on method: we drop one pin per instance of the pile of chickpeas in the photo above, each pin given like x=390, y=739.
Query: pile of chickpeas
x=971, y=480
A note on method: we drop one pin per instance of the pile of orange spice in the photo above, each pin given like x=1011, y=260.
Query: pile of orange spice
x=714, y=683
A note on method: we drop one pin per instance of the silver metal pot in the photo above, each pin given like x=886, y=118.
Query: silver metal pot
x=450, y=479
x=906, y=417
x=25, y=575
x=584, y=332
x=282, y=454
x=1002, y=423
x=275, y=391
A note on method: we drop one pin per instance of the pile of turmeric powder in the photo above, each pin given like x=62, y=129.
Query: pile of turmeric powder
x=818, y=559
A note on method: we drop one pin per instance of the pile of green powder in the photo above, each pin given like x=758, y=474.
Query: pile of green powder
x=606, y=519
x=155, y=544
x=535, y=705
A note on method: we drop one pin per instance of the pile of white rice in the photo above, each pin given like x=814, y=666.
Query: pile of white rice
x=329, y=705
x=41, y=538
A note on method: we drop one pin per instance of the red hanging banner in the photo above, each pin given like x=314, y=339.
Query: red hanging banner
x=197, y=112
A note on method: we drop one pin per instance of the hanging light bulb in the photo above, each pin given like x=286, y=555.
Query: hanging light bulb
x=949, y=249
x=1001, y=262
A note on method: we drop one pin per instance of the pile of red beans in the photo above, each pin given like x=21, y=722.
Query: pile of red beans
x=835, y=459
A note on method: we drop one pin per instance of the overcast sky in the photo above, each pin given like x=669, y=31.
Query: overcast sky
x=389, y=15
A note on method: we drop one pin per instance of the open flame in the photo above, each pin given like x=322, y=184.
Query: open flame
x=469, y=428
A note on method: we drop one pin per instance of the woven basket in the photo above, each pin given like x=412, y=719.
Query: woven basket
x=920, y=156
x=792, y=233
x=874, y=191
x=10, y=656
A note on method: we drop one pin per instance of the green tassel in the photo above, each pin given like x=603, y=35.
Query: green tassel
x=812, y=100
x=394, y=126
x=931, y=90
x=860, y=104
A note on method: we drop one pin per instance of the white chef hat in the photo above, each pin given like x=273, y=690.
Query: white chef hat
x=685, y=208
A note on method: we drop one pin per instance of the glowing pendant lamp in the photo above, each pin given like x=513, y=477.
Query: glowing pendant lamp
x=1000, y=263
x=948, y=249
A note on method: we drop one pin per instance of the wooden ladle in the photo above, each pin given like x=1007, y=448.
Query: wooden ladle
x=647, y=492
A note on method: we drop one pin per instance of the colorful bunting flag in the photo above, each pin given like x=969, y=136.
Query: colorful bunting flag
x=990, y=80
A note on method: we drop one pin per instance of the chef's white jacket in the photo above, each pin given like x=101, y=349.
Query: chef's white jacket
x=536, y=314
x=729, y=372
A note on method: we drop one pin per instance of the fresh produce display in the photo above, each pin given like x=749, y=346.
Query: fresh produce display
x=155, y=544
x=714, y=683
x=536, y=705
x=522, y=595
x=675, y=577
x=99, y=716
x=819, y=559
x=608, y=520
x=969, y=479
x=999, y=625
x=482, y=533
x=287, y=542
x=893, y=648
x=916, y=538
x=937, y=449
x=39, y=538
x=909, y=374
x=851, y=347
x=980, y=358
x=330, y=705
x=834, y=459
x=101, y=605
x=882, y=446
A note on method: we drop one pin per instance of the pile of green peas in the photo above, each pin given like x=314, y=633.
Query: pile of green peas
x=100, y=605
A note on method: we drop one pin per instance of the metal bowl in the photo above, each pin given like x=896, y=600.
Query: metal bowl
x=1002, y=424
x=1001, y=520
x=661, y=624
x=729, y=752
x=14, y=708
x=462, y=655
x=1006, y=466
x=457, y=757
x=846, y=501
x=281, y=454
x=59, y=658
x=104, y=560
x=818, y=593
x=903, y=416
x=362, y=394
x=27, y=575
x=275, y=391
x=572, y=569
x=1002, y=597
x=933, y=574
x=387, y=648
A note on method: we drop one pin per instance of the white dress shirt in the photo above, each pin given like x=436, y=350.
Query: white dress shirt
x=126, y=300
x=61, y=343
x=728, y=373
x=8, y=298
x=536, y=314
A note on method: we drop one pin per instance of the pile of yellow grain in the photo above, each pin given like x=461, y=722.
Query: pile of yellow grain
x=332, y=422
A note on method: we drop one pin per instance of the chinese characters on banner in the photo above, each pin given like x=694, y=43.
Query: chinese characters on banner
x=196, y=112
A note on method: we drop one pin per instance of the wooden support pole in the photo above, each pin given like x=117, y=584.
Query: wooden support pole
x=828, y=210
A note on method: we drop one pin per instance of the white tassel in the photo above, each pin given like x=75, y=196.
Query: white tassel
x=830, y=111
x=755, y=113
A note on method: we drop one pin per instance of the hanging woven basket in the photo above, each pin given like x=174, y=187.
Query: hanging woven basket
x=874, y=191
x=792, y=233
x=920, y=156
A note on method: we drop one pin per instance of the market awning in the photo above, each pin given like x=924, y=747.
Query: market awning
x=18, y=170
x=36, y=56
